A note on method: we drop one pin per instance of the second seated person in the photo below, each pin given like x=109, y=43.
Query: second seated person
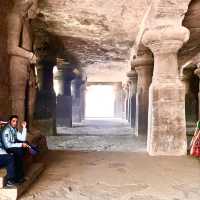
x=15, y=143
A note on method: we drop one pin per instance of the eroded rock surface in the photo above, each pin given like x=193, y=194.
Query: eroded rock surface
x=95, y=32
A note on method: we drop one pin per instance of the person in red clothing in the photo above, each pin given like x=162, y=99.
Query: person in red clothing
x=195, y=142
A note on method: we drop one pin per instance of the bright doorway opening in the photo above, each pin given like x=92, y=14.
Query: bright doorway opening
x=100, y=101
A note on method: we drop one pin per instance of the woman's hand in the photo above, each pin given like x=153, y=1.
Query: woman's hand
x=24, y=124
x=3, y=122
x=32, y=58
x=24, y=145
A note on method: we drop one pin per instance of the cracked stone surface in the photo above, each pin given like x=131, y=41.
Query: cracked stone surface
x=71, y=175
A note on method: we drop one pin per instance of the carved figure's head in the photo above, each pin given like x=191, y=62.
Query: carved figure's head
x=33, y=10
x=27, y=8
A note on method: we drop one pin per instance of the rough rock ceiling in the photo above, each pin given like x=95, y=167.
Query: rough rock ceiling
x=98, y=33
x=192, y=22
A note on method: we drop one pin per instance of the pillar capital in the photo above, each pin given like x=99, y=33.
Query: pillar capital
x=117, y=86
x=143, y=60
x=184, y=78
x=166, y=39
x=132, y=75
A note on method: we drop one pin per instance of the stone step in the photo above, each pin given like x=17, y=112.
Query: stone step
x=2, y=177
x=13, y=193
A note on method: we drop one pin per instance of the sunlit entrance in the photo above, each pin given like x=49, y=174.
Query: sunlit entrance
x=100, y=101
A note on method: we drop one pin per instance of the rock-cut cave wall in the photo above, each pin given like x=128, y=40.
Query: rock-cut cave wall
x=4, y=61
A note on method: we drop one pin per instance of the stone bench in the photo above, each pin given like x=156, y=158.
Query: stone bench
x=12, y=193
x=33, y=168
x=2, y=177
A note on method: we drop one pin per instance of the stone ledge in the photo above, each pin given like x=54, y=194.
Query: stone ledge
x=13, y=193
x=2, y=177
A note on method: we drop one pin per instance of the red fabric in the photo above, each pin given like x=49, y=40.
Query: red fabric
x=195, y=148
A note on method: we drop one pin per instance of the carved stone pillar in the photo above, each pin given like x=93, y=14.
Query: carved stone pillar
x=144, y=68
x=166, y=122
x=126, y=106
x=46, y=98
x=132, y=75
x=82, y=98
x=191, y=97
x=197, y=72
x=63, y=77
x=76, y=99
x=129, y=101
x=118, y=104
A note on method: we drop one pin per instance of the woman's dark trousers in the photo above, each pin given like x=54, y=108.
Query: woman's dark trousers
x=8, y=162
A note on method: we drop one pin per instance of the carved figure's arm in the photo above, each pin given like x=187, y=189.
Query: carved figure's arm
x=15, y=24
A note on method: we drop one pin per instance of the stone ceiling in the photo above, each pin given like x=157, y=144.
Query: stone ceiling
x=98, y=33
x=192, y=22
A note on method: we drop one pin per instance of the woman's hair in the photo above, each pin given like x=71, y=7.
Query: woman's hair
x=12, y=117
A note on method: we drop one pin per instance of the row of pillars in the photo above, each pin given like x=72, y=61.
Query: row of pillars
x=137, y=94
x=71, y=96
x=155, y=95
x=67, y=105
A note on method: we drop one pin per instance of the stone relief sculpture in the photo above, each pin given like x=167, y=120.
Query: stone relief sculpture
x=22, y=59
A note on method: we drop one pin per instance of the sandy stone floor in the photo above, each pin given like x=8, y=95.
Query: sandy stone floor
x=98, y=135
x=103, y=160
x=98, y=126
x=116, y=176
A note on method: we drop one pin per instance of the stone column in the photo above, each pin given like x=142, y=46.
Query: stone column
x=191, y=100
x=132, y=75
x=197, y=72
x=126, y=103
x=129, y=101
x=144, y=68
x=63, y=78
x=123, y=101
x=83, y=96
x=46, y=98
x=166, y=122
x=76, y=100
x=118, y=107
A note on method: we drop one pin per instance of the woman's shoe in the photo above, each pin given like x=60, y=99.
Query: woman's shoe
x=10, y=183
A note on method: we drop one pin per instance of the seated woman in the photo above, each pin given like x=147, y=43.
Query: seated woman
x=15, y=143
x=8, y=162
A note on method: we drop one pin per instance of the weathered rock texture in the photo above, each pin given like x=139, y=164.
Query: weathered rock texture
x=191, y=21
x=4, y=60
x=98, y=33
